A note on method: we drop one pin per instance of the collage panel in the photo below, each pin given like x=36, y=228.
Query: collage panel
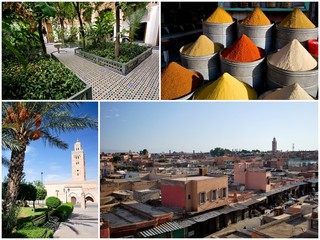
x=80, y=50
x=209, y=169
x=49, y=170
x=239, y=50
x=91, y=150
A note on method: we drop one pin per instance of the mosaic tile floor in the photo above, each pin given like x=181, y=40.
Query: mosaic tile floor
x=140, y=84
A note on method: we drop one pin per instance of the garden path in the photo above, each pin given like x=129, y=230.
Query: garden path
x=140, y=84
x=83, y=223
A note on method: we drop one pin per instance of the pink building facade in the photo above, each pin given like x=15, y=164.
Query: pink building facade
x=252, y=177
x=195, y=193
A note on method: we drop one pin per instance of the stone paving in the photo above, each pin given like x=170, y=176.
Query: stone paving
x=83, y=223
x=140, y=84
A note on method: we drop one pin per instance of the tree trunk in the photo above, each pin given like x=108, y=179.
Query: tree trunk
x=62, y=29
x=117, y=42
x=43, y=45
x=14, y=177
x=77, y=7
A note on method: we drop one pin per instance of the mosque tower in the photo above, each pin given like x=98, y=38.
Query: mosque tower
x=274, y=145
x=78, y=163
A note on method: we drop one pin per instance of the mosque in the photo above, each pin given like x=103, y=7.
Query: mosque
x=78, y=190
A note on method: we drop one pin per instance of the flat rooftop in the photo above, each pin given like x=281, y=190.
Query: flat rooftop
x=285, y=229
x=184, y=179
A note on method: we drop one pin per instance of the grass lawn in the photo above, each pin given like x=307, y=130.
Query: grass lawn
x=27, y=214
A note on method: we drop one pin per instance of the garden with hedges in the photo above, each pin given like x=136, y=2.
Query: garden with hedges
x=40, y=222
x=30, y=73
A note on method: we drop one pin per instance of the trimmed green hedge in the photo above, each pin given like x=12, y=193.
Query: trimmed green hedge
x=63, y=211
x=53, y=202
x=35, y=232
x=127, y=51
x=44, y=78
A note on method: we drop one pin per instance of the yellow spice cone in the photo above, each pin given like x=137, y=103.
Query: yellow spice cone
x=296, y=19
x=226, y=88
x=202, y=47
x=256, y=18
x=220, y=16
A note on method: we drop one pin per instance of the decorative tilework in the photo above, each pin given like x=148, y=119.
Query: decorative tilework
x=140, y=84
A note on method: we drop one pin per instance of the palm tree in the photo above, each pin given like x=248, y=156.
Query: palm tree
x=23, y=122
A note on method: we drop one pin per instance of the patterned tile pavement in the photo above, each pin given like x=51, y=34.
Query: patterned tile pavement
x=140, y=84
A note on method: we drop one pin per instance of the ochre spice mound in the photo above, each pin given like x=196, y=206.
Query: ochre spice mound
x=220, y=16
x=177, y=81
x=296, y=19
x=256, y=18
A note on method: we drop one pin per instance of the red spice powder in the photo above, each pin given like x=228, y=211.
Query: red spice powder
x=243, y=50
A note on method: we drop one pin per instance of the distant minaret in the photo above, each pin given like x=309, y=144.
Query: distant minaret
x=78, y=163
x=274, y=145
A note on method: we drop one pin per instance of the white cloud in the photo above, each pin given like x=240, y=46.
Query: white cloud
x=117, y=115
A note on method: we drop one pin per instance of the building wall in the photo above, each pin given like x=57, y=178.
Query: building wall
x=207, y=186
x=173, y=194
x=257, y=180
x=186, y=194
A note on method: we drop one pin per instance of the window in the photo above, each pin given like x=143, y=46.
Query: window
x=224, y=192
x=214, y=195
x=314, y=224
x=202, y=197
x=189, y=196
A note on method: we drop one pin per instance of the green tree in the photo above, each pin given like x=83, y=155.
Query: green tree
x=27, y=192
x=117, y=42
x=134, y=12
x=65, y=10
x=217, y=152
x=30, y=121
x=41, y=193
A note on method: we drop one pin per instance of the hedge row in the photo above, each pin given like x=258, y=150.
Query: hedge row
x=43, y=78
x=63, y=211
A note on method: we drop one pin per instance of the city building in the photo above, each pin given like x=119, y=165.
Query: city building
x=78, y=190
x=252, y=177
x=195, y=194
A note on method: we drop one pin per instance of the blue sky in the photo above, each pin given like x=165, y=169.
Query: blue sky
x=201, y=126
x=56, y=163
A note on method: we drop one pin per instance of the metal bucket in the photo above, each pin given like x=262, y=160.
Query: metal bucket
x=277, y=77
x=251, y=73
x=224, y=33
x=208, y=66
x=262, y=36
x=285, y=35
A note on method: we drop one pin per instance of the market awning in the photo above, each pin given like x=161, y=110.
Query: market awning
x=163, y=228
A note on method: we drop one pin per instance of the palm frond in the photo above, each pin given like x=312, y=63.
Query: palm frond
x=53, y=141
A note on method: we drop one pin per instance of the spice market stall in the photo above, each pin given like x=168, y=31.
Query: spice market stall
x=267, y=51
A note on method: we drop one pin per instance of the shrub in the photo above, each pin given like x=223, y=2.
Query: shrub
x=34, y=232
x=63, y=211
x=44, y=78
x=53, y=202
x=127, y=51
x=9, y=220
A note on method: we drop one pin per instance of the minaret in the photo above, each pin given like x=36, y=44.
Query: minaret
x=78, y=163
x=274, y=145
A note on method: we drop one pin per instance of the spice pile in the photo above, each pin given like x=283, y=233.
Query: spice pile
x=293, y=57
x=296, y=19
x=292, y=92
x=177, y=81
x=220, y=16
x=202, y=47
x=256, y=18
x=225, y=88
x=243, y=50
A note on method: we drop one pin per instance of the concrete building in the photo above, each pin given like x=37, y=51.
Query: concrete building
x=274, y=145
x=195, y=194
x=78, y=190
x=252, y=177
